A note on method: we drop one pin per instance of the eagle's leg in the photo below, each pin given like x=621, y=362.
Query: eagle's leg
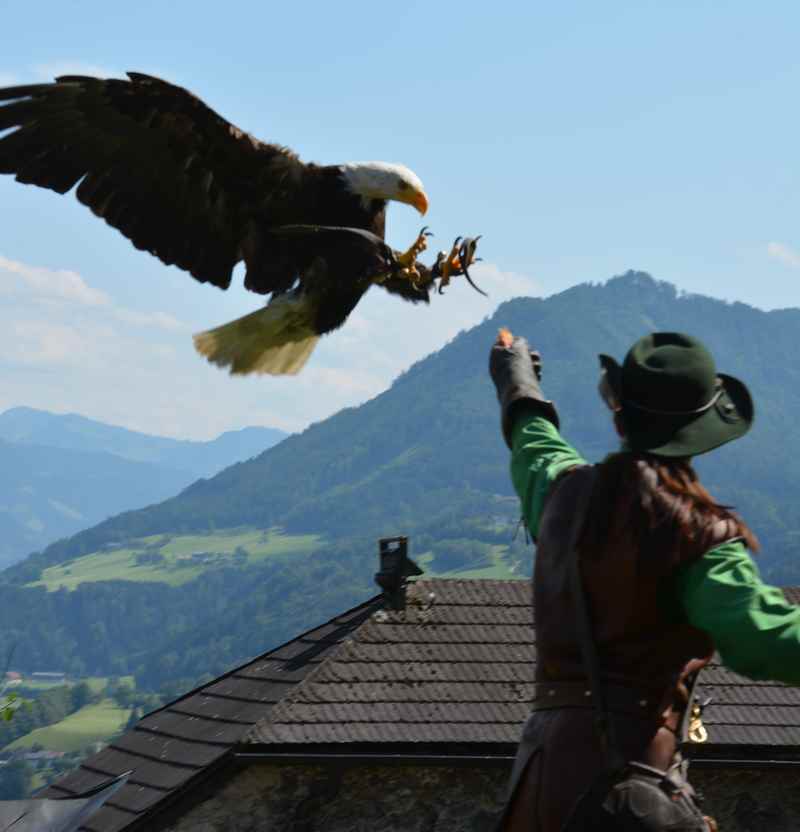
x=408, y=259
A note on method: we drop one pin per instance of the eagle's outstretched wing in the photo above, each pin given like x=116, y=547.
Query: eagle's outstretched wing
x=155, y=162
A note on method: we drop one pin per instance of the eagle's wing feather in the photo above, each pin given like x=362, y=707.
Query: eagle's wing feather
x=154, y=161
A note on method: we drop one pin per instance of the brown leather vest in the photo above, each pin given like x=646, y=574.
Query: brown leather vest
x=643, y=640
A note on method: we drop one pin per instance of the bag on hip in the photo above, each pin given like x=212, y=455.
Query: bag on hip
x=641, y=799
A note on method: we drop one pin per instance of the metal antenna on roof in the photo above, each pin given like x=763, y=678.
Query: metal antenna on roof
x=396, y=567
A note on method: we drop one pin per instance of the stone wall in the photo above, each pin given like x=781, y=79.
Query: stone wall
x=747, y=800
x=296, y=798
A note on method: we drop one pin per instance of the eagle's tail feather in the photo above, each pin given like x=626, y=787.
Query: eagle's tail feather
x=277, y=339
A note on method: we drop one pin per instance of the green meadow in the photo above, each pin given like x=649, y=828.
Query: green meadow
x=97, y=684
x=169, y=558
x=497, y=565
x=92, y=723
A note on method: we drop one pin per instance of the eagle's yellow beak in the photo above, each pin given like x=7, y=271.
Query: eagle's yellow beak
x=420, y=201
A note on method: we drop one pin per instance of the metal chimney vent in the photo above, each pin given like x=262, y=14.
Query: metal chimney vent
x=396, y=567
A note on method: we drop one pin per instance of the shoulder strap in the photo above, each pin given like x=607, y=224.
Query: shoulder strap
x=591, y=661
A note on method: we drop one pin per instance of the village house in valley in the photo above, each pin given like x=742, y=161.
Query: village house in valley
x=406, y=721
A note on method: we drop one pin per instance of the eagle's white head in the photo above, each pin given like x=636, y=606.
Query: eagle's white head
x=384, y=180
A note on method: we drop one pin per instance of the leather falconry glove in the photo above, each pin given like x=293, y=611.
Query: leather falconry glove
x=516, y=370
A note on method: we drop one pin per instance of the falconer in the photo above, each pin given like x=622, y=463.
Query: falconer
x=640, y=575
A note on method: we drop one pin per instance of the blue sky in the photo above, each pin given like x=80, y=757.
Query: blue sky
x=581, y=139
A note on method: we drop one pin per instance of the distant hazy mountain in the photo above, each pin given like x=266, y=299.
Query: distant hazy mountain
x=60, y=474
x=50, y=493
x=202, y=459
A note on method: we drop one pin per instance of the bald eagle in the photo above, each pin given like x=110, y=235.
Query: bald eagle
x=183, y=183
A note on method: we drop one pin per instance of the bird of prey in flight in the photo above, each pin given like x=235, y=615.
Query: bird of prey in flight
x=181, y=182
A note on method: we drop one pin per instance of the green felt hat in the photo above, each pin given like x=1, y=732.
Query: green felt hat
x=672, y=400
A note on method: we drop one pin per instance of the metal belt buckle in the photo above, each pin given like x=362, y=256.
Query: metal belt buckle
x=697, y=731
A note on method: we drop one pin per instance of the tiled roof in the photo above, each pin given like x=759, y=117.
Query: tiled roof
x=455, y=668
x=174, y=749
x=743, y=712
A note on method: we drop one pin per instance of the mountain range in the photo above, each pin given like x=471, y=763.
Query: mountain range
x=424, y=458
x=62, y=473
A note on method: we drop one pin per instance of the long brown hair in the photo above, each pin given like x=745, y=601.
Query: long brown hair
x=660, y=505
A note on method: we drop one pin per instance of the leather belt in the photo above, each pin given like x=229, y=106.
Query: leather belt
x=619, y=699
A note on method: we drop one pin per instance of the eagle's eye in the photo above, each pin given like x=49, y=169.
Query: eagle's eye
x=402, y=186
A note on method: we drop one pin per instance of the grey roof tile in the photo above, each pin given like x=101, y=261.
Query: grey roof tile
x=179, y=725
x=168, y=750
x=411, y=713
x=395, y=732
x=356, y=651
x=744, y=734
x=471, y=593
x=111, y=762
x=277, y=672
x=787, y=717
x=792, y=594
x=408, y=691
x=435, y=633
x=455, y=672
x=474, y=615
x=246, y=690
x=221, y=708
x=754, y=695
x=137, y=798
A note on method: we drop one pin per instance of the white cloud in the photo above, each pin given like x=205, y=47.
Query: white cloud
x=49, y=345
x=784, y=253
x=52, y=287
x=158, y=320
x=16, y=278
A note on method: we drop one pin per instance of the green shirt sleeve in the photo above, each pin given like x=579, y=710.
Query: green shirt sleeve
x=539, y=456
x=755, y=629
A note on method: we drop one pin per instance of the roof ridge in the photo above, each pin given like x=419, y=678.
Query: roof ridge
x=261, y=657
x=288, y=698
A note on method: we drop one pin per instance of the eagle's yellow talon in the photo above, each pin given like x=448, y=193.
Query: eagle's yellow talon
x=408, y=258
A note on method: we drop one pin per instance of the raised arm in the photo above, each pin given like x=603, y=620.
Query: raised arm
x=529, y=422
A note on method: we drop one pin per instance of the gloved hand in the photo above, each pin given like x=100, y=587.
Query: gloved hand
x=515, y=370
